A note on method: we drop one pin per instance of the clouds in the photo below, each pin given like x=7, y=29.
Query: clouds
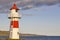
x=26, y=4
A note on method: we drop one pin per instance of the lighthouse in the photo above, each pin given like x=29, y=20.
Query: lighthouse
x=14, y=23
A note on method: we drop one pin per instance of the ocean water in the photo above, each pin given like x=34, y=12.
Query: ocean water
x=41, y=37
x=36, y=37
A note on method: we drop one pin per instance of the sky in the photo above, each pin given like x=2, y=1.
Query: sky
x=44, y=18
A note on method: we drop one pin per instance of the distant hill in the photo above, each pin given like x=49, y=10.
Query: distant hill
x=6, y=33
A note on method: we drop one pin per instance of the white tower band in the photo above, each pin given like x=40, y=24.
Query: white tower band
x=14, y=25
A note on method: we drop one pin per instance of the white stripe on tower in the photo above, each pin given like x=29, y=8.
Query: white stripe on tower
x=14, y=25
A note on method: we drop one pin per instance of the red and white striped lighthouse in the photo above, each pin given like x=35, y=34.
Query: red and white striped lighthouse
x=14, y=24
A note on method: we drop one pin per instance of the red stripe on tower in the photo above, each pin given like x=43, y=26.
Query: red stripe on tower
x=14, y=24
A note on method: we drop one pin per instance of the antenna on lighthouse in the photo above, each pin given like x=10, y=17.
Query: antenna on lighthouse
x=14, y=23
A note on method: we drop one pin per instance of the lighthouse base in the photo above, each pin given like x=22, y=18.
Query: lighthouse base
x=14, y=39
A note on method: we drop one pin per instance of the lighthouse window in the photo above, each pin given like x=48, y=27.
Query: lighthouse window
x=16, y=10
x=17, y=32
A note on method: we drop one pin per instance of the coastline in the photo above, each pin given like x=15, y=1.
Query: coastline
x=6, y=33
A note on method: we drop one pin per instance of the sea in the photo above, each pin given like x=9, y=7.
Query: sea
x=35, y=37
